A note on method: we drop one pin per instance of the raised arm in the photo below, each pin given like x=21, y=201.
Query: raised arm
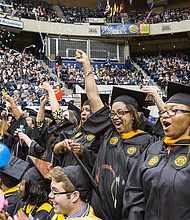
x=90, y=84
x=52, y=98
x=16, y=112
x=4, y=124
x=41, y=112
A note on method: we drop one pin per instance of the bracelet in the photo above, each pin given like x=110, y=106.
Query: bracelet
x=88, y=72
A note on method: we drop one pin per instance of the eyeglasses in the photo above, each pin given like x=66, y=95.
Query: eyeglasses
x=172, y=112
x=60, y=193
x=119, y=114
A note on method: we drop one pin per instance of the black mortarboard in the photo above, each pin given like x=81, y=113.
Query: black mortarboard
x=133, y=97
x=78, y=177
x=75, y=110
x=48, y=113
x=178, y=93
x=105, y=98
x=84, y=99
x=31, y=112
x=15, y=168
x=146, y=112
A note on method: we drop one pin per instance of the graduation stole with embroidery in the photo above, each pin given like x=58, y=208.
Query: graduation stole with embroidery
x=178, y=141
x=131, y=134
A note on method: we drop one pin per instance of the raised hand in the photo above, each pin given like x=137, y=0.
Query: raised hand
x=81, y=56
x=44, y=100
x=46, y=86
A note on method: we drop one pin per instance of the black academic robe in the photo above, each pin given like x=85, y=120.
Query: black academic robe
x=115, y=159
x=52, y=132
x=16, y=148
x=41, y=212
x=13, y=199
x=90, y=135
x=158, y=185
x=154, y=129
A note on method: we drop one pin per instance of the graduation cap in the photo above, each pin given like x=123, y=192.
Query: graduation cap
x=146, y=112
x=133, y=97
x=78, y=178
x=48, y=114
x=32, y=112
x=15, y=168
x=75, y=110
x=178, y=93
x=84, y=99
x=42, y=166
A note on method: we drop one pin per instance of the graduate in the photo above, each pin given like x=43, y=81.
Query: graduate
x=158, y=185
x=70, y=189
x=121, y=145
x=85, y=140
x=34, y=189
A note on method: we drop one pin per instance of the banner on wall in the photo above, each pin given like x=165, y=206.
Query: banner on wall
x=144, y=28
x=124, y=29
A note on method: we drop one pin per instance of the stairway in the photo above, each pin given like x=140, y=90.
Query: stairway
x=58, y=11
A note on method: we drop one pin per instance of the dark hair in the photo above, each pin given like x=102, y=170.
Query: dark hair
x=137, y=119
x=8, y=181
x=34, y=193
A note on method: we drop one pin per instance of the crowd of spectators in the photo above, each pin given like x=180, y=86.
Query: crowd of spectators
x=21, y=76
x=164, y=68
x=38, y=10
x=171, y=15
x=80, y=14
x=104, y=75
x=160, y=68
x=43, y=11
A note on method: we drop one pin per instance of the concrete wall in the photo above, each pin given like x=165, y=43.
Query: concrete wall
x=94, y=30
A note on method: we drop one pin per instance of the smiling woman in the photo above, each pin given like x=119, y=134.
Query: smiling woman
x=156, y=187
x=122, y=143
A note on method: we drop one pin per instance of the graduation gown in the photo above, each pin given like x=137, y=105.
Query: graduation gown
x=90, y=135
x=12, y=197
x=41, y=212
x=33, y=133
x=53, y=131
x=113, y=164
x=158, y=185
